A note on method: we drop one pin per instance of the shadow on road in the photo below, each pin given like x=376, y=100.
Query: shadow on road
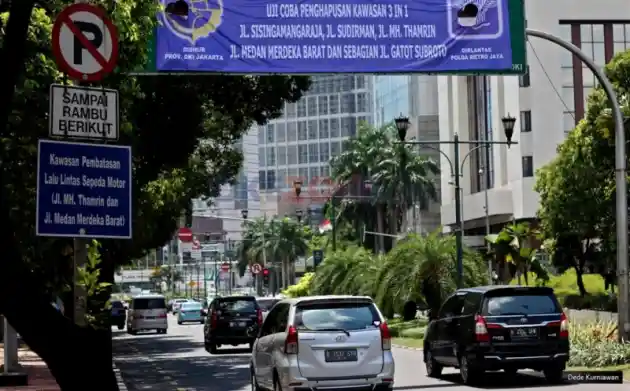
x=502, y=380
x=227, y=372
x=154, y=344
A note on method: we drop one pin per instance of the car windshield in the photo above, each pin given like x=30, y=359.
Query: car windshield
x=149, y=304
x=117, y=304
x=191, y=306
x=521, y=305
x=238, y=305
x=266, y=305
x=343, y=316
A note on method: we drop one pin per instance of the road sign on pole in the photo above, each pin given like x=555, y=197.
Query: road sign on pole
x=83, y=112
x=318, y=257
x=85, y=42
x=83, y=190
x=185, y=235
x=256, y=268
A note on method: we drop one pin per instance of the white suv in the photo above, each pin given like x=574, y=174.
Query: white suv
x=323, y=342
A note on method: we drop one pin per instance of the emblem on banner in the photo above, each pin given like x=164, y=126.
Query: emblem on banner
x=204, y=18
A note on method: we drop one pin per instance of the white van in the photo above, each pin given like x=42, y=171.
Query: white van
x=147, y=312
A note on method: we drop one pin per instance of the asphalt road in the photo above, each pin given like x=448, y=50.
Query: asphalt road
x=178, y=362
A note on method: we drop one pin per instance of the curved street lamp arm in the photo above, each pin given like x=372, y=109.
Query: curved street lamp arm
x=448, y=159
x=468, y=155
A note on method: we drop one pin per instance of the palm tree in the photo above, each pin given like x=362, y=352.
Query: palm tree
x=400, y=178
x=279, y=241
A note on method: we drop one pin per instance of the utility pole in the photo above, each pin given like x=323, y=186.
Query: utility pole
x=456, y=169
x=487, y=216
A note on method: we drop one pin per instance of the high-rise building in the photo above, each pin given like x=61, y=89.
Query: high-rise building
x=414, y=97
x=298, y=146
x=547, y=102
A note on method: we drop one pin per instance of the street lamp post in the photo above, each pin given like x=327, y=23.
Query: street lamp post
x=487, y=216
x=508, y=128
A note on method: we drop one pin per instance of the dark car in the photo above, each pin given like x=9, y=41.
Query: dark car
x=232, y=320
x=266, y=304
x=498, y=328
x=119, y=314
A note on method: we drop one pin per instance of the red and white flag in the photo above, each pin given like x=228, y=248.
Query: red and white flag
x=325, y=226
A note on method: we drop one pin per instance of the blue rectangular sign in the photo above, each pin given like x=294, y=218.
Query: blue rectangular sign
x=83, y=190
x=334, y=36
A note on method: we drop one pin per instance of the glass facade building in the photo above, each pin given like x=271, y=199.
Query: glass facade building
x=391, y=98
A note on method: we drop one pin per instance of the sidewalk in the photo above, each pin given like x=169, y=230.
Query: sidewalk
x=39, y=377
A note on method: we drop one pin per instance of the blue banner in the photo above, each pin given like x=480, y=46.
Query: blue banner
x=83, y=190
x=333, y=36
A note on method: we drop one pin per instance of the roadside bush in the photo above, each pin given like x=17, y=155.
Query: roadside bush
x=595, y=345
x=302, y=288
x=600, y=302
x=411, y=329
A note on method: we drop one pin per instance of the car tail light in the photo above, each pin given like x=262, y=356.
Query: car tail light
x=563, y=323
x=162, y=316
x=386, y=337
x=213, y=320
x=259, y=317
x=291, y=343
x=481, y=329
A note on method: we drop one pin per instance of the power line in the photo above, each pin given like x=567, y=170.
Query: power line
x=558, y=94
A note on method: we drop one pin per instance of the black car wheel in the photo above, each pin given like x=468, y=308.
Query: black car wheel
x=121, y=326
x=434, y=369
x=470, y=375
x=554, y=374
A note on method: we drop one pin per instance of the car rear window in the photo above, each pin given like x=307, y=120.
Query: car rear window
x=191, y=306
x=117, y=304
x=521, y=305
x=346, y=316
x=237, y=305
x=149, y=304
x=266, y=304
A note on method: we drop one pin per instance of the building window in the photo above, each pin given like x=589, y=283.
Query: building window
x=334, y=127
x=528, y=166
x=302, y=154
x=301, y=108
x=271, y=133
x=292, y=131
x=290, y=110
x=323, y=129
x=261, y=156
x=292, y=154
x=302, y=133
x=526, y=121
x=281, y=130
x=334, y=104
x=271, y=180
x=324, y=152
x=261, y=135
x=262, y=180
x=313, y=153
x=312, y=129
x=282, y=155
x=271, y=156
x=312, y=106
x=600, y=42
x=323, y=104
x=348, y=104
x=523, y=80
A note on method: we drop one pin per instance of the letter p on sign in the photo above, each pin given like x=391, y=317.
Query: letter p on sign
x=85, y=42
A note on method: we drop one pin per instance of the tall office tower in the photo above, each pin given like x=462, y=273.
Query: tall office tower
x=243, y=195
x=299, y=145
x=415, y=97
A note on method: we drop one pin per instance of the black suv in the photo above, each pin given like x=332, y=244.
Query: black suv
x=498, y=328
x=231, y=320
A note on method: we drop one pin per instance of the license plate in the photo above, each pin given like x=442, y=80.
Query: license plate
x=341, y=355
x=524, y=332
x=238, y=324
x=150, y=317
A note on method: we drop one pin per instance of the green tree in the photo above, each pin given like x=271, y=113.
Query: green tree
x=399, y=177
x=162, y=118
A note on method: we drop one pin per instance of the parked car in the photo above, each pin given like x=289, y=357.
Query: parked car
x=232, y=320
x=190, y=312
x=147, y=312
x=327, y=342
x=498, y=328
x=118, y=314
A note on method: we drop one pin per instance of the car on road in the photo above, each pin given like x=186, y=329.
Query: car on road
x=323, y=342
x=231, y=320
x=498, y=328
x=266, y=304
x=178, y=303
x=190, y=312
x=118, y=314
x=147, y=312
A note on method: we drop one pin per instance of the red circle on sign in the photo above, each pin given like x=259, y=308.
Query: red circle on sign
x=185, y=235
x=255, y=268
x=63, y=18
x=225, y=267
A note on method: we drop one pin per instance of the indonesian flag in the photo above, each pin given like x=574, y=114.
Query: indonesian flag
x=325, y=226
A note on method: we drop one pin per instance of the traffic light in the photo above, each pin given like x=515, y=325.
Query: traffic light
x=265, y=276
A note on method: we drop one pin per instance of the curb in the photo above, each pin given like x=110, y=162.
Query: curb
x=121, y=384
x=406, y=347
